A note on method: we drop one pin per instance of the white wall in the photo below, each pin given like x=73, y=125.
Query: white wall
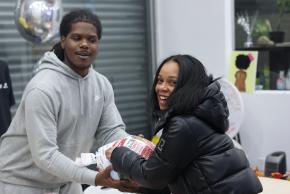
x=266, y=127
x=204, y=29
x=193, y=27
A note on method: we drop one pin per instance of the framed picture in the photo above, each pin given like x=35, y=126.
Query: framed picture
x=243, y=69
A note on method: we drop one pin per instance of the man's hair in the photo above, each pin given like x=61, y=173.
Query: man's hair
x=80, y=15
x=190, y=87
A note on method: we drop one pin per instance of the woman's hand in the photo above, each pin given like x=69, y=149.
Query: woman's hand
x=109, y=151
x=104, y=179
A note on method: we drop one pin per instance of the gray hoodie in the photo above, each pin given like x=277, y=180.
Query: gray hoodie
x=61, y=115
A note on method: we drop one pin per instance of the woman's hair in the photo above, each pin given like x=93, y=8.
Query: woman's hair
x=190, y=87
x=79, y=15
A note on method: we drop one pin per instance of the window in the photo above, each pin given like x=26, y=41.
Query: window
x=273, y=70
x=123, y=55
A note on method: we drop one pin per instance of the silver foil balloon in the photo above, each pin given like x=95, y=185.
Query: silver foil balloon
x=38, y=20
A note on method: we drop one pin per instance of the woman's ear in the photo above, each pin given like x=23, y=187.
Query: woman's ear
x=62, y=42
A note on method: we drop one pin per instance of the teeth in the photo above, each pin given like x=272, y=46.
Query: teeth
x=83, y=56
x=163, y=97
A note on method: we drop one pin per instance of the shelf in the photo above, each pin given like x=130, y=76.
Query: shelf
x=278, y=46
x=272, y=60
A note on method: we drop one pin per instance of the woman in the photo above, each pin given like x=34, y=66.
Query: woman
x=193, y=155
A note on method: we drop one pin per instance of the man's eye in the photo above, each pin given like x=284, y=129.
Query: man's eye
x=93, y=40
x=76, y=38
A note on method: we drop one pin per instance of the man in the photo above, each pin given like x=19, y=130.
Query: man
x=65, y=108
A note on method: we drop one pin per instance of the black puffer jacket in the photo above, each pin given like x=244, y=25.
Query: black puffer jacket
x=194, y=155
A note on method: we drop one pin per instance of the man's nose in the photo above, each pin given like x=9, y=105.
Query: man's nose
x=84, y=43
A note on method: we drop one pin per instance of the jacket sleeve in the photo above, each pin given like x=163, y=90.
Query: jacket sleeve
x=172, y=154
x=41, y=128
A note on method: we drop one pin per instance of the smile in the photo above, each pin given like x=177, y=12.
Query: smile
x=84, y=56
x=162, y=100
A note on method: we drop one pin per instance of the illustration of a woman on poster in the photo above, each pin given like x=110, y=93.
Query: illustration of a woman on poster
x=242, y=63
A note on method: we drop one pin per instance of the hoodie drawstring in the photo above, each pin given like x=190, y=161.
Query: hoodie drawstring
x=81, y=95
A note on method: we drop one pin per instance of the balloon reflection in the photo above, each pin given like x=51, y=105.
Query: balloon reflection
x=38, y=20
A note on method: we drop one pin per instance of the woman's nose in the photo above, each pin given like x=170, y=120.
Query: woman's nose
x=164, y=86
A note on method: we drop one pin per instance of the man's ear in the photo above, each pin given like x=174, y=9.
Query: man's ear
x=62, y=41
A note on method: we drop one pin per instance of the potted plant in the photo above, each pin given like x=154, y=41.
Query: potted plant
x=261, y=31
x=278, y=35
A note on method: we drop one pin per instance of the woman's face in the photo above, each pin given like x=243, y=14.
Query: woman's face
x=166, y=82
x=80, y=47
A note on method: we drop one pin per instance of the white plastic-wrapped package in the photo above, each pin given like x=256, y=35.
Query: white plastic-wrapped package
x=140, y=145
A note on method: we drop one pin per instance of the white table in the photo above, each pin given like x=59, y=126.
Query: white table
x=98, y=190
x=270, y=186
x=275, y=186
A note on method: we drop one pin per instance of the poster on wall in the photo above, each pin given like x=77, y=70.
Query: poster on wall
x=243, y=69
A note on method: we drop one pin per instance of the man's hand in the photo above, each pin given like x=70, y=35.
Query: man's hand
x=104, y=179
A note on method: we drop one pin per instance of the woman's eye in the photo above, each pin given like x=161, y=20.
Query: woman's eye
x=159, y=81
x=173, y=83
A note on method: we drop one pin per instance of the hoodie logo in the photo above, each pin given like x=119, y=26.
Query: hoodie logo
x=97, y=98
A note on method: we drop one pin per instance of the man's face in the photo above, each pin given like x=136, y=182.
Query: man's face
x=80, y=47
